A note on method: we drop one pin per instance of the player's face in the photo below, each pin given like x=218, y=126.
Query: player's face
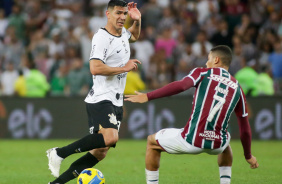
x=117, y=16
x=209, y=63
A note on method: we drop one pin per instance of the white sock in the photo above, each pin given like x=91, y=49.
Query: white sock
x=152, y=177
x=225, y=175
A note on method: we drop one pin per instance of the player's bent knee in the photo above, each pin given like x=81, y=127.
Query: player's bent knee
x=110, y=136
x=100, y=153
x=151, y=139
x=110, y=141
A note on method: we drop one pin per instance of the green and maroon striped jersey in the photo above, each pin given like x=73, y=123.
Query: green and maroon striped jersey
x=217, y=95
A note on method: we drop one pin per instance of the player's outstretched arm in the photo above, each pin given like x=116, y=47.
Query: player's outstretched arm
x=168, y=90
x=138, y=98
x=253, y=162
x=97, y=67
x=135, y=15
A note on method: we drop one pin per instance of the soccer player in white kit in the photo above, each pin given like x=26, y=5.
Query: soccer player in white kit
x=109, y=64
x=217, y=95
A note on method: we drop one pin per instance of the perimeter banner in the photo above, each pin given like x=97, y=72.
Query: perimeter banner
x=62, y=118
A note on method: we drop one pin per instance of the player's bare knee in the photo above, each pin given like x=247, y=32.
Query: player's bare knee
x=101, y=153
x=110, y=136
x=150, y=141
x=110, y=141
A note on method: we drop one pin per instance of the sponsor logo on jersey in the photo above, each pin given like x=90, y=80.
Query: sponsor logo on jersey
x=209, y=135
x=221, y=90
x=122, y=75
x=223, y=80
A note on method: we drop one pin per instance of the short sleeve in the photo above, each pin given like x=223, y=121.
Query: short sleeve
x=128, y=33
x=196, y=75
x=100, y=48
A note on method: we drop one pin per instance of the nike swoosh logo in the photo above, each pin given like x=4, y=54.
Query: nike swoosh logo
x=118, y=51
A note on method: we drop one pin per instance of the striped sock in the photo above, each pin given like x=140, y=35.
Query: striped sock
x=152, y=177
x=225, y=175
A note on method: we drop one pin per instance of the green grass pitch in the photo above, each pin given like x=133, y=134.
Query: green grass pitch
x=25, y=162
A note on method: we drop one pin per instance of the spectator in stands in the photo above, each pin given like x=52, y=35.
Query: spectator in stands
x=98, y=20
x=7, y=80
x=3, y=23
x=36, y=82
x=265, y=50
x=77, y=79
x=56, y=45
x=273, y=22
x=205, y=9
x=144, y=50
x=20, y=85
x=275, y=60
x=59, y=80
x=247, y=77
x=35, y=16
x=264, y=83
x=166, y=42
x=13, y=48
x=159, y=74
x=186, y=63
x=233, y=11
x=17, y=20
x=223, y=36
x=151, y=13
x=85, y=45
x=237, y=59
x=168, y=19
x=134, y=81
x=201, y=46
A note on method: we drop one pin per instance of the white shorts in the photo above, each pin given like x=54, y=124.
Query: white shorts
x=171, y=141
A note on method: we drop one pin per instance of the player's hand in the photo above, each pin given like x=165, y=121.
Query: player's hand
x=133, y=12
x=138, y=98
x=131, y=65
x=253, y=162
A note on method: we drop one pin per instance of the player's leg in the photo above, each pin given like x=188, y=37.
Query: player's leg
x=152, y=160
x=225, y=160
x=102, y=115
x=87, y=161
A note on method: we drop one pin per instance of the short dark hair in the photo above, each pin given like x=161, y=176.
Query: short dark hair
x=114, y=3
x=224, y=53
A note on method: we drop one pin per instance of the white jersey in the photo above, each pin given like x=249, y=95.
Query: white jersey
x=113, y=51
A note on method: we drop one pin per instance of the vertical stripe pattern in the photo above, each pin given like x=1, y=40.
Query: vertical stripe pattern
x=216, y=96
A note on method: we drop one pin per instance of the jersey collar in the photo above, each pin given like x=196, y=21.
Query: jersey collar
x=110, y=33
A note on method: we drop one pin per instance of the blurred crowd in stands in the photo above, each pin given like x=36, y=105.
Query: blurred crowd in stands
x=45, y=44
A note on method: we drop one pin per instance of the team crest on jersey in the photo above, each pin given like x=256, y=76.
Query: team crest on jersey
x=113, y=119
x=209, y=135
